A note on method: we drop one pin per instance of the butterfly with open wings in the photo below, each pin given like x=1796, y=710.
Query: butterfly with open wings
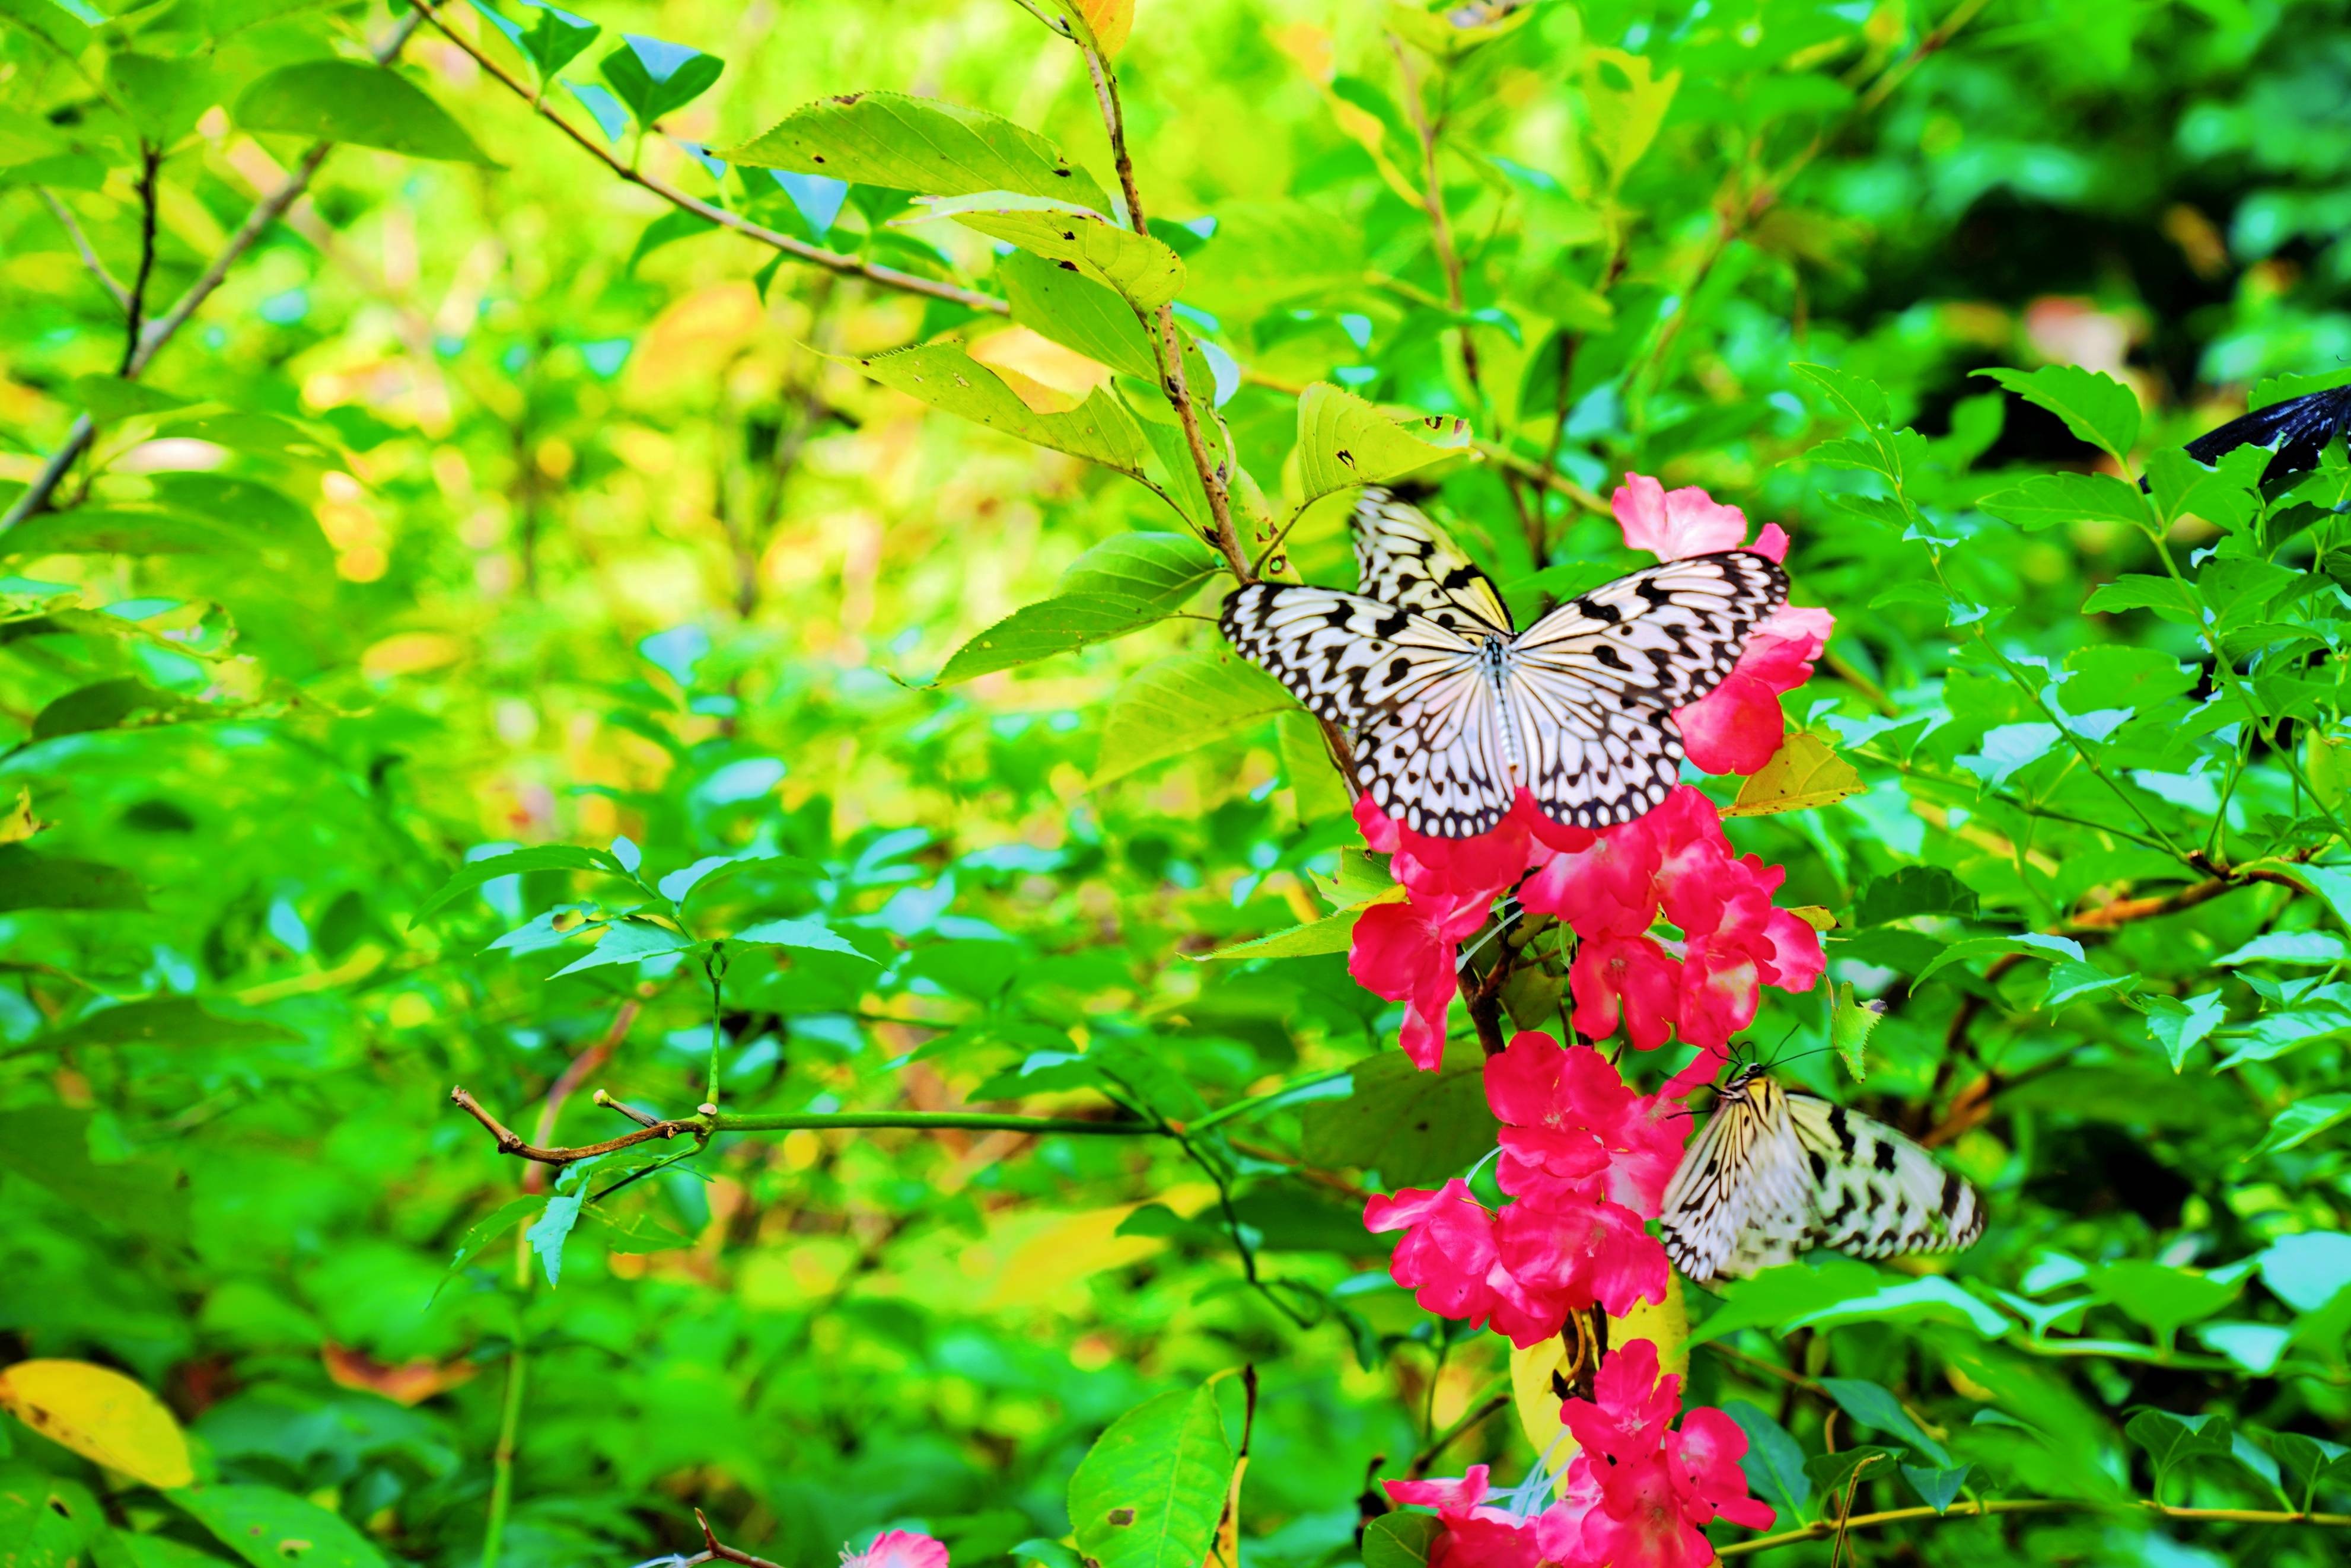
x=1777, y=1172
x=1454, y=712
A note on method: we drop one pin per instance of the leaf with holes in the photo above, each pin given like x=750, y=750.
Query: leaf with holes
x=271, y=1528
x=919, y=144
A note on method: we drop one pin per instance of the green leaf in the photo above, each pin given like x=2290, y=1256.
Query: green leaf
x=1858, y=396
x=538, y=857
x=809, y=936
x=2162, y=1297
x=2168, y=597
x=679, y=223
x=1400, y=1540
x=1414, y=1128
x=115, y=530
x=2094, y=406
x=1154, y=566
x=366, y=106
x=2308, y=1270
x=1058, y=625
x=2308, y=1462
x=166, y=97
x=1874, y=1406
x=1332, y=934
x=1149, y=1493
x=1181, y=703
x=110, y=399
x=2179, y=1026
x=654, y=78
x=1773, y=1463
x=2226, y=494
x=162, y=1020
x=1343, y=441
x=556, y=37
x=628, y=941
x=2070, y=982
x=1939, y=1488
x=2055, y=500
x=2171, y=1440
x=945, y=377
x=32, y=881
x=2316, y=949
x=919, y=144
x=1914, y=890
x=270, y=1529
x=1852, y=1021
x=1073, y=311
x=2301, y=1121
x=2027, y=944
x=1143, y=270
x=112, y=704
x=49, y=1147
x=1832, y=1473
x=484, y=1233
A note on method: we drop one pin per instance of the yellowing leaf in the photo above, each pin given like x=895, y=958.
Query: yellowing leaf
x=1063, y=374
x=100, y=1415
x=18, y=823
x=406, y=652
x=1623, y=119
x=1802, y=774
x=1112, y=20
x=1535, y=1393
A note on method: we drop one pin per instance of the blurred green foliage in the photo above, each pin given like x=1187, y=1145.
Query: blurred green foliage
x=495, y=500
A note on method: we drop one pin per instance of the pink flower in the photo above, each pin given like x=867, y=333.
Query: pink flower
x=1575, y=1128
x=1671, y=524
x=1738, y=727
x=1630, y=1406
x=1408, y=953
x=1474, y=1536
x=1624, y=980
x=1606, y=890
x=1577, y=1252
x=1722, y=978
x=898, y=1549
x=1707, y=1472
x=1447, y=1257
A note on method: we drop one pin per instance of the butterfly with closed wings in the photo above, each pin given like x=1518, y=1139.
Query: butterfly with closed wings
x=1454, y=712
x=1778, y=1172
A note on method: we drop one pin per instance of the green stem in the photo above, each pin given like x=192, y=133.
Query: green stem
x=502, y=1461
x=714, y=966
x=967, y=1121
x=1265, y=1100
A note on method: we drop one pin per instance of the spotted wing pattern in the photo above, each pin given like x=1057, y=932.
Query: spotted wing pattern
x=1427, y=721
x=1403, y=557
x=1453, y=714
x=1776, y=1174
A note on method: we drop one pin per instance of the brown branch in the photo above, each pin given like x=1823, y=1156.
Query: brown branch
x=1432, y=198
x=799, y=249
x=513, y=1143
x=1437, y=1445
x=134, y=307
x=568, y=1083
x=150, y=338
x=711, y=1547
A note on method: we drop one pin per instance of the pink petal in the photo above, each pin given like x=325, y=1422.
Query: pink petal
x=1735, y=728
x=899, y=1549
x=1627, y=980
x=1607, y=890
x=1451, y=1497
x=1677, y=523
x=1771, y=542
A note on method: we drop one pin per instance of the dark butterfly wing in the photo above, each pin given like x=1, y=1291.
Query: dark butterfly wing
x=2299, y=428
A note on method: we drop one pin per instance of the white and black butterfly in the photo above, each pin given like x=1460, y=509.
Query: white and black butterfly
x=1776, y=1173
x=1454, y=712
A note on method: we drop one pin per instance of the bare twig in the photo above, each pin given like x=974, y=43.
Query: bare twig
x=799, y=249
x=134, y=307
x=89, y=257
x=149, y=339
x=704, y=1125
x=712, y=1548
x=567, y=1083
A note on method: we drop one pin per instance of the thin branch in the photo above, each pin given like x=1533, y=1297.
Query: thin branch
x=1432, y=198
x=711, y=1547
x=799, y=249
x=701, y=1126
x=1549, y=479
x=150, y=338
x=135, y=305
x=89, y=257
x=1477, y=1413
x=1821, y=1529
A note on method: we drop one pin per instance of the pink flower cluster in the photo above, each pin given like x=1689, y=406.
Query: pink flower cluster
x=1611, y=886
x=1584, y=1160
x=898, y=1549
x=1639, y=1491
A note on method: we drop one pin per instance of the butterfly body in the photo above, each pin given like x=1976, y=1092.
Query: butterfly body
x=1776, y=1173
x=1455, y=711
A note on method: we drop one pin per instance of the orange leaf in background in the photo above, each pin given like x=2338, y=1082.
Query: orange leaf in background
x=100, y=1415
x=409, y=1383
x=1112, y=20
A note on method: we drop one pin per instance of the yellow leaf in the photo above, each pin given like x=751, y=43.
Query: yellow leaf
x=406, y=652
x=1041, y=373
x=1802, y=774
x=18, y=823
x=100, y=1415
x=1536, y=1394
x=1112, y=20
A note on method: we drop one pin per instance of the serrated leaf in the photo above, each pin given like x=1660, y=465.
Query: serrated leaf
x=946, y=377
x=2303, y=1121
x=1802, y=774
x=630, y=941
x=2055, y=500
x=919, y=144
x=1058, y=625
x=538, y=857
x=1149, y=1493
x=2028, y=944
x=1343, y=441
x=1180, y=704
x=2094, y=406
x=1852, y=1021
x=810, y=936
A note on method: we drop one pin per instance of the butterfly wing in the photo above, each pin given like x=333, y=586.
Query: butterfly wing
x=1416, y=693
x=1591, y=684
x=1741, y=1198
x=1403, y=557
x=1875, y=1192
x=2299, y=428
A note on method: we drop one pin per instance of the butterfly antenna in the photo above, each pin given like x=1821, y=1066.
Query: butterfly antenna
x=1784, y=1039
x=1802, y=1054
